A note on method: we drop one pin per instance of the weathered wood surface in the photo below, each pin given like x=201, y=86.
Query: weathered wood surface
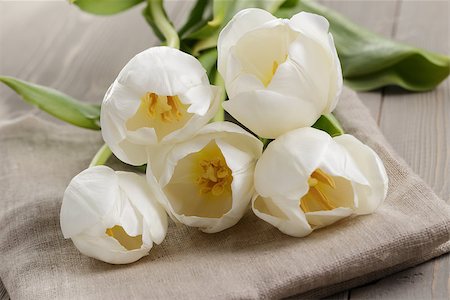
x=54, y=44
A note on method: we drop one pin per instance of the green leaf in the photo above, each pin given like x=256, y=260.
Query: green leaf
x=370, y=61
x=56, y=103
x=196, y=17
x=105, y=7
x=329, y=124
x=206, y=36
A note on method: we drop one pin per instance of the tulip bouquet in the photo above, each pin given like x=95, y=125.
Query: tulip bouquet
x=285, y=157
x=280, y=76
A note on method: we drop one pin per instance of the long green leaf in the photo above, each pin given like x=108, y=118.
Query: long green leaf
x=370, y=61
x=105, y=7
x=56, y=103
x=329, y=124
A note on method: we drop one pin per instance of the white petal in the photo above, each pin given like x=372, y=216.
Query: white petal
x=146, y=202
x=177, y=153
x=315, y=65
x=242, y=83
x=324, y=218
x=270, y=114
x=130, y=153
x=164, y=70
x=199, y=98
x=121, y=101
x=243, y=22
x=286, y=164
x=257, y=51
x=89, y=196
x=336, y=78
x=197, y=121
x=312, y=26
x=372, y=168
x=283, y=214
x=337, y=161
x=293, y=80
x=234, y=135
x=125, y=215
x=107, y=249
x=115, y=135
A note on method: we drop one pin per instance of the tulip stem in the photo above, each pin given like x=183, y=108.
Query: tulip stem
x=162, y=22
x=218, y=81
x=275, y=6
x=101, y=156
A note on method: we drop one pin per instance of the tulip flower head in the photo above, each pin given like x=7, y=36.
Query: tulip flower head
x=279, y=74
x=208, y=180
x=112, y=216
x=162, y=95
x=307, y=180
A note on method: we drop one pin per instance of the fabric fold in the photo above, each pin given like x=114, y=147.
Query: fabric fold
x=251, y=260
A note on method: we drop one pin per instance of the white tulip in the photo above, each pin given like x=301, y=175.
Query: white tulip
x=162, y=95
x=306, y=180
x=207, y=180
x=279, y=74
x=112, y=216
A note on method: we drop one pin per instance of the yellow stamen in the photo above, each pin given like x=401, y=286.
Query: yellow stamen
x=312, y=182
x=128, y=242
x=274, y=67
x=324, y=178
x=166, y=108
x=215, y=176
x=321, y=199
x=316, y=199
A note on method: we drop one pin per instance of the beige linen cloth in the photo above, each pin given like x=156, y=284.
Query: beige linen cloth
x=249, y=261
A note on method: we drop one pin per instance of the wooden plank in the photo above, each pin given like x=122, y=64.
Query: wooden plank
x=339, y=296
x=80, y=56
x=55, y=44
x=417, y=126
x=379, y=18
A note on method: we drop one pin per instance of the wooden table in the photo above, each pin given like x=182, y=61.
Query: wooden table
x=55, y=44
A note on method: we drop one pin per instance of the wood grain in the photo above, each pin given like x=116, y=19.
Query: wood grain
x=55, y=44
x=417, y=126
x=380, y=20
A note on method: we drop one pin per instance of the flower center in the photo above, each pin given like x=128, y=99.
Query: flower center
x=275, y=64
x=165, y=108
x=274, y=67
x=128, y=242
x=163, y=113
x=316, y=199
x=213, y=176
x=216, y=176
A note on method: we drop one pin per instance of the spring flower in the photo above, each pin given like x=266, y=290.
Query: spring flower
x=207, y=180
x=279, y=74
x=162, y=95
x=112, y=216
x=306, y=180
